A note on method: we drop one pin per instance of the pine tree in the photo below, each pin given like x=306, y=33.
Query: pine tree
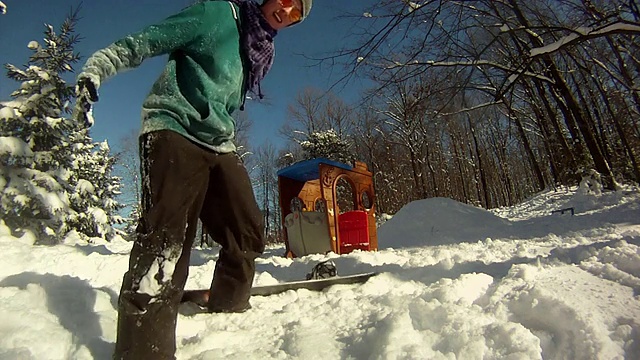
x=52, y=178
x=327, y=144
x=93, y=189
x=131, y=223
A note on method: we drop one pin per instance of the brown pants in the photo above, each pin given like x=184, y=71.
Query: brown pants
x=181, y=183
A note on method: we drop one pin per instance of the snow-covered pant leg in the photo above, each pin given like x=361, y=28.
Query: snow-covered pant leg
x=232, y=217
x=174, y=181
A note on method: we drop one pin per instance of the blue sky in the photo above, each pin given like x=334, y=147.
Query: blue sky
x=118, y=112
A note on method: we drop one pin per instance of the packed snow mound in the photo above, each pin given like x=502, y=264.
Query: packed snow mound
x=440, y=221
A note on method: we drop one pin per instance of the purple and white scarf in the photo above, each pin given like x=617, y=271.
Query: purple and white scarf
x=257, y=42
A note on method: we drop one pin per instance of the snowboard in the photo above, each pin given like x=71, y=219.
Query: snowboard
x=201, y=296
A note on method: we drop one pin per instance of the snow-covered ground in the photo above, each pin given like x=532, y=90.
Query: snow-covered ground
x=456, y=282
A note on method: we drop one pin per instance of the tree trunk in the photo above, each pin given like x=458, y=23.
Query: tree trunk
x=573, y=113
x=482, y=190
x=528, y=149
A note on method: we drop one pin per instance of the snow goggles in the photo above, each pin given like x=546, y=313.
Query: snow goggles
x=295, y=14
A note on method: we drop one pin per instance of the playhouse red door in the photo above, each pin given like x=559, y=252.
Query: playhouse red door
x=354, y=231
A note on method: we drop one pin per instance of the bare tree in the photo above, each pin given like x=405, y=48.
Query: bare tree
x=508, y=49
x=265, y=175
x=127, y=166
x=304, y=116
x=243, y=128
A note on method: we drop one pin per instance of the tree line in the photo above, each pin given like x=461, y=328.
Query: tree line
x=485, y=102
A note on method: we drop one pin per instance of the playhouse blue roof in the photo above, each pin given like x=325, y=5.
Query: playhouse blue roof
x=309, y=169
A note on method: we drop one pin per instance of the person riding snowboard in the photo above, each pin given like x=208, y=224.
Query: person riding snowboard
x=218, y=50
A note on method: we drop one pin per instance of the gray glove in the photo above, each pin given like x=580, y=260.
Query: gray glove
x=87, y=94
x=86, y=87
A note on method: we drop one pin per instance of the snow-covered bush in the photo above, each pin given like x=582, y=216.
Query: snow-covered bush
x=591, y=183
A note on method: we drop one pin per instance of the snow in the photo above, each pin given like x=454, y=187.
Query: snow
x=418, y=225
x=14, y=146
x=85, y=187
x=159, y=274
x=455, y=282
x=413, y=6
x=7, y=112
x=586, y=33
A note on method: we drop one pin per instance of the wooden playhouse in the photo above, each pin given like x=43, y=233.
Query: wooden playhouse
x=327, y=206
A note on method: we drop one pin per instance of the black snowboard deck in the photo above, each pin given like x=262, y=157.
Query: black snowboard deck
x=314, y=285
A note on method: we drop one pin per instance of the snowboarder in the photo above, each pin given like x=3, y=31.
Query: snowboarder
x=217, y=50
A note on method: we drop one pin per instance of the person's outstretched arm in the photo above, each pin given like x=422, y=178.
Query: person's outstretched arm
x=165, y=37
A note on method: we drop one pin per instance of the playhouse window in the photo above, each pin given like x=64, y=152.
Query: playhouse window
x=320, y=206
x=365, y=200
x=345, y=196
x=297, y=204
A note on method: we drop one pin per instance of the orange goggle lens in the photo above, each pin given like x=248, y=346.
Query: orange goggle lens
x=295, y=14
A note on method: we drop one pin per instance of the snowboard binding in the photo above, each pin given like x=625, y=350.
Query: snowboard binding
x=324, y=270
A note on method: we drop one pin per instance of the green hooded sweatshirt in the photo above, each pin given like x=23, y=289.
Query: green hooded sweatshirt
x=203, y=81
